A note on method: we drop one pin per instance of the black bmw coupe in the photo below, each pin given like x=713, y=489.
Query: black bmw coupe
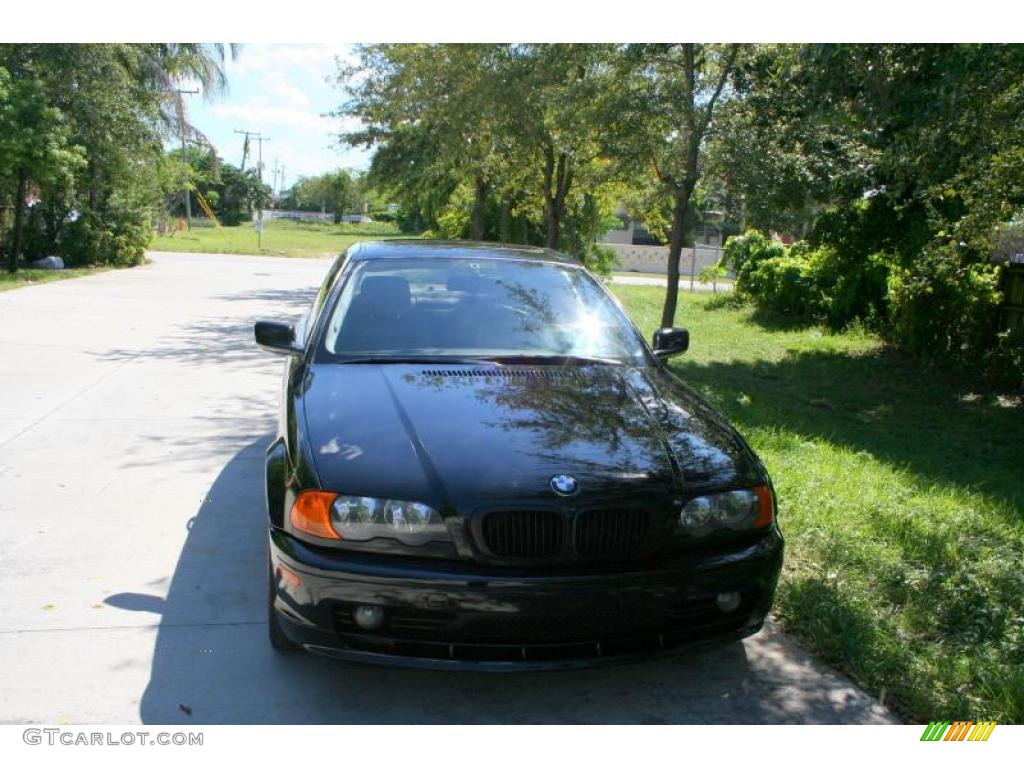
x=480, y=463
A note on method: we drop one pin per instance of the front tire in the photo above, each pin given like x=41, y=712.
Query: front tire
x=278, y=639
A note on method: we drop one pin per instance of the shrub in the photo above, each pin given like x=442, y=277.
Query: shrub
x=453, y=222
x=1004, y=362
x=774, y=276
x=942, y=303
x=784, y=284
x=744, y=252
x=850, y=288
x=872, y=225
x=825, y=283
x=233, y=217
x=117, y=238
x=941, y=306
x=600, y=260
x=712, y=273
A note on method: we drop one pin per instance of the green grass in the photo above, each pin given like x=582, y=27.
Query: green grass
x=901, y=496
x=280, y=238
x=24, y=277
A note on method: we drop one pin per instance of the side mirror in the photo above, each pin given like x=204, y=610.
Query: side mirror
x=276, y=337
x=670, y=341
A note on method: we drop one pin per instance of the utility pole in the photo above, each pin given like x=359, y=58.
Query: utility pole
x=184, y=163
x=260, y=138
x=245, y=146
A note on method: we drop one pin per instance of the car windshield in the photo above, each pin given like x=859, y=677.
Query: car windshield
x=489, y=308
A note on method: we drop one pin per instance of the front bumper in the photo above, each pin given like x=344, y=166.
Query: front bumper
x=462, y=615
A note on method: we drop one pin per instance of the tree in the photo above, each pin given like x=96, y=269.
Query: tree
x=232, y=193
x=507, y=132
x=669, y=96
x=33, y=146
x=914, y=128
x=335, y=192
x=164, y=67
x=560, y=101
x=435, y=111
x=899, y=163
x=107, y=108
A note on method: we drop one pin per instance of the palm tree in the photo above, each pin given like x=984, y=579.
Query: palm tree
x=169, y=68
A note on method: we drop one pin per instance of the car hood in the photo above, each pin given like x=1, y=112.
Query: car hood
x=476, y=437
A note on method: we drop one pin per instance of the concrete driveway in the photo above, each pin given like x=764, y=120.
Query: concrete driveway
x=134, y=415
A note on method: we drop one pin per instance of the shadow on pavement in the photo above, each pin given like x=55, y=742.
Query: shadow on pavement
x=224, y=339
x=212, y=662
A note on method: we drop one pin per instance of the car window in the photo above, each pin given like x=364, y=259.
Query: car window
x=321, y=297
x=491, y=307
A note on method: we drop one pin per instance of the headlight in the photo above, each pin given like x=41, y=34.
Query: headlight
x=740, y=510
x=361, y=518
x=328, y=515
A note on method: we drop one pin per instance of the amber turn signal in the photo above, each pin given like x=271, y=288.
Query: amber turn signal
x=766, y=502
x=311, y=513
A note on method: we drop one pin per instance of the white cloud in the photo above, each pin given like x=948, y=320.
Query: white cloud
x=312, y=160
x=315, y=60
x=281, y=89
x=264, y=116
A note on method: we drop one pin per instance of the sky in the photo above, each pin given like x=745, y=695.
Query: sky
x=283, y=92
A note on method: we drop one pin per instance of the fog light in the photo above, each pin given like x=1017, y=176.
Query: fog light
x=728, y=601
x=369, y=616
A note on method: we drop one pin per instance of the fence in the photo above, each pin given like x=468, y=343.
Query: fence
x=269, y=214
x=654, y=258
x=349, y=218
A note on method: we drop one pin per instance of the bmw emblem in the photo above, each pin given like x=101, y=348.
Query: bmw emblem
x=564, y=485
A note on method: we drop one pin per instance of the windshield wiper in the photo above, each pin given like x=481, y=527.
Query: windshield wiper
x=550, y=360
x=413, y=360
x=518, y=359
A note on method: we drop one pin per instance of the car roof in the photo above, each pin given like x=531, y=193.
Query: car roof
x=458, y=249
